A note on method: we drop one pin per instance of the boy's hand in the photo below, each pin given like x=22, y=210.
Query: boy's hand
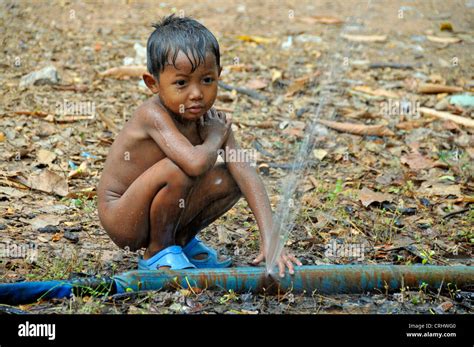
x=214, y=123
x=286, y=259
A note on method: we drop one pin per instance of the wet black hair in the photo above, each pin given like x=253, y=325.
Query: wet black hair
x=174, y=34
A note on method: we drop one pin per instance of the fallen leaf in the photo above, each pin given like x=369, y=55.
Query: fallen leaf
x=257, y=84
x=440, y=189
x=376, y=92
x=9, y=191
x=123, y=72
x=48, y=182
x=416, y=161
x=300, y=84
x=276, y=75
x=43, y=220
x=438, y=39
x=365, y=38
x=81, y=171
x=433, y=88
x=256, y=39
x=45, y=157
x=448, y=116
x=446, y=26
x=412, y=124
x=358, y=129
x=319, y=153
x=321, y=19
x=56, y=237
x=223, y=235
x=470, y=152
x=367, y=196
x=295, y=128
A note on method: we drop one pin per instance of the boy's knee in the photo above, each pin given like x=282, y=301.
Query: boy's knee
x=224, y=180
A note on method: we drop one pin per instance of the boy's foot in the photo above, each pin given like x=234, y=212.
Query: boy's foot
x=203, y=256
x=171, y=258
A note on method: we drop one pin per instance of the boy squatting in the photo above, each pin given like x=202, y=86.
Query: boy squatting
x=161, y=184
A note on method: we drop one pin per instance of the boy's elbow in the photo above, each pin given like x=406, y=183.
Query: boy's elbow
x=196, y=167
x=194, y=170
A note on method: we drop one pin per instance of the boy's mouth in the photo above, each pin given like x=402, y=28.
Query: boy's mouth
x=195, y=109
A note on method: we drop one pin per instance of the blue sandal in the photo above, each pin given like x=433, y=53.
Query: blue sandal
x=172, y=257
x=195, y=247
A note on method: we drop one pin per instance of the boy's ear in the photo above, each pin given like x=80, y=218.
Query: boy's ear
x=151, y=83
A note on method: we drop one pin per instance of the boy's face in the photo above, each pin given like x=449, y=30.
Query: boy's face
x=186, y=94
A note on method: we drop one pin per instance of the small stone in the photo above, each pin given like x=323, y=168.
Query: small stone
x=425, y=202
x=48, y=229
x=73, y=229
x=74, y=238
x=48, y=75
x=442, y=105
x=398, y=223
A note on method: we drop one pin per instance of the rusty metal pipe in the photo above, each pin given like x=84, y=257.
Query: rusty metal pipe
x=325, y=279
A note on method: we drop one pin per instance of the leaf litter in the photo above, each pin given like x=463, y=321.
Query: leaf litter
x=398, y=179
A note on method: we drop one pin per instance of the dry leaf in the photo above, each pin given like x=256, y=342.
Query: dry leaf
x=276, y=75
x=367, y=196
x=43, y=220
x=448, y=116
x=257, y=84
x=432, y=88
x=238, y=67
x=300, y=84
x=365, y=38
x=470, y=152
x=56, y=237
x=223, y=235
x=45, y=157
x=438, y=39
x=440, y=189
x=81, y=171
x=48, y=182
x=319, y=153
x=358, y=129
x=416, y=161
x=123, y=72
x=256, y=39
x=412, y=124
x=376, y=92
x=321, y=19
x=9, y=191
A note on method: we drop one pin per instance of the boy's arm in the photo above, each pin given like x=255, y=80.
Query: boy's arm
x=193, y=160
x=252, y=188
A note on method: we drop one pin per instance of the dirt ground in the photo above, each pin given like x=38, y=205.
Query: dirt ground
x=404, y=192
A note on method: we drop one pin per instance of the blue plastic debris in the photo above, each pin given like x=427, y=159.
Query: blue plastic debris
x=463, y=100
x=88, y=155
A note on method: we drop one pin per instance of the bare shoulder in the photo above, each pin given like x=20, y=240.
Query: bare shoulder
x=149, y=113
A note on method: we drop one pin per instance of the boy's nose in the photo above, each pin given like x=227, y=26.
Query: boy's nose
x=195, y=93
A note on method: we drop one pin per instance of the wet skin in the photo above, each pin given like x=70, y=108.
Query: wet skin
x=161, y=185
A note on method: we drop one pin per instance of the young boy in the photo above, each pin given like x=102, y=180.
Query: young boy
x=161, y=184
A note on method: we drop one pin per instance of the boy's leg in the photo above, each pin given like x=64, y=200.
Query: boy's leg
x=212, y=195
x=147, y=214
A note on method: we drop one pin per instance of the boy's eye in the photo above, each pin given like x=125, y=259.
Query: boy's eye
x=180, y=83
x=208, y=80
